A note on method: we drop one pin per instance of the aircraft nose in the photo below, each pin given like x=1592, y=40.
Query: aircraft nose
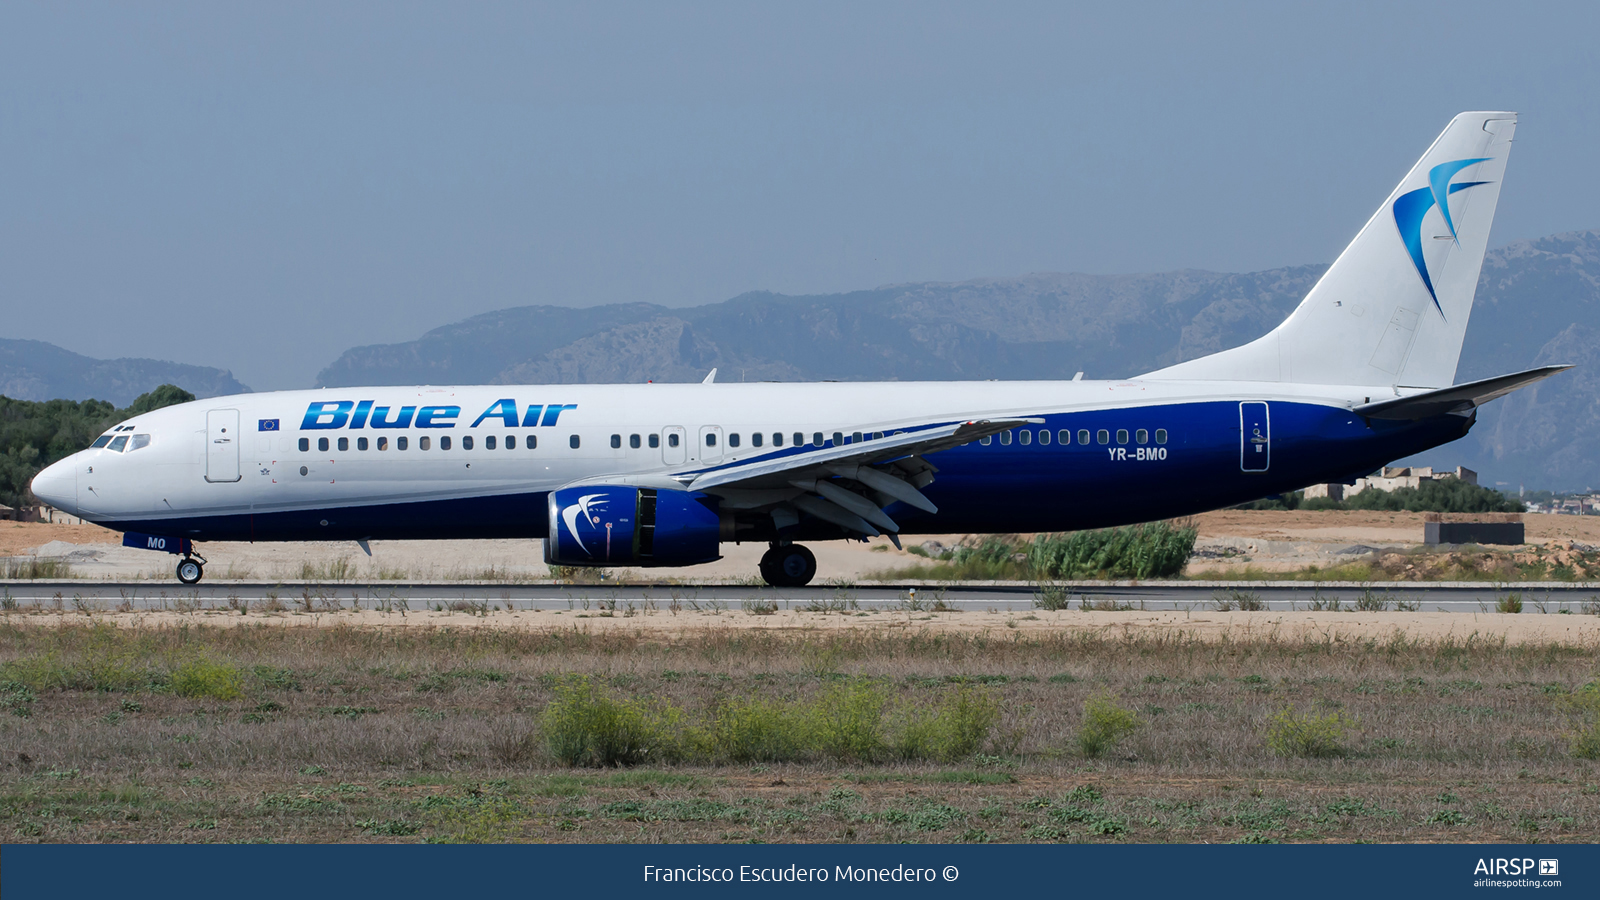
x=57, y=485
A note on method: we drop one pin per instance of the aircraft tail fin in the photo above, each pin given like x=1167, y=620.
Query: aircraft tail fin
x=1393, y=308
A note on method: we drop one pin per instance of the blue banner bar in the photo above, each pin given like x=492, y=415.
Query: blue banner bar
x=60, y=872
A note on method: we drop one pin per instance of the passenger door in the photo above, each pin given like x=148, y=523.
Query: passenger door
x=1255, y=437
x=222, y=445
x=674, y=449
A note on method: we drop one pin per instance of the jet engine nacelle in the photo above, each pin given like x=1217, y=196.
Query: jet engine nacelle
x=618, y=525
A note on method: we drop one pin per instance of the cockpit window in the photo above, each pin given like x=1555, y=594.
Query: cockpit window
x=139, y=441
x=117, y=443
x=101, y=441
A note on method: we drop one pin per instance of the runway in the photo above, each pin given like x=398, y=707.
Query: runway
x=101, y=596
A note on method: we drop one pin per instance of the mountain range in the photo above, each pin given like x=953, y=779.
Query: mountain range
x=1538, y=302
x=35, y=370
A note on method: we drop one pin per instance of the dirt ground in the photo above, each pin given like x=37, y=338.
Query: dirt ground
x=660, y=623
x=1266, y=540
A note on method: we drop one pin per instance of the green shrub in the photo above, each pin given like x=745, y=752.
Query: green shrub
x=1509, y=603
x=32, y=567
x=847, y=721
x=203, y=678
x=955, y=729
x=1292, y=733
x=1584, y=704
x=585, y=727
x=1105, y=724
x=1151, y=550
x=757, y=731
x=17, y=699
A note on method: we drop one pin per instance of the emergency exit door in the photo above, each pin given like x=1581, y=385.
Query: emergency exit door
x=222, y=445
x=1255, y=437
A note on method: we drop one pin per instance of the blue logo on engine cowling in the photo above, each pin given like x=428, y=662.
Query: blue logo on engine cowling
x=1412, y=206
x=600, y=522
x=331, y=414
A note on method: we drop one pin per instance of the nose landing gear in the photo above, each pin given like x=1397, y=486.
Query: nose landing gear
x=788, y=565
x=191, y=569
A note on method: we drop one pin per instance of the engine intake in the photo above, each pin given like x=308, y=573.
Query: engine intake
x=611, y=525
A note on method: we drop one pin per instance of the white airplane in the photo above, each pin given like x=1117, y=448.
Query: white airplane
x=1360, y=374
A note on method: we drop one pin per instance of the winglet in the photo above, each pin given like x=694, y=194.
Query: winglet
x=710, y=376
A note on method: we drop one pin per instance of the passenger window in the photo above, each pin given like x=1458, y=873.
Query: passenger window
x=616, y=442
x=1161, y=435
x=533, y=442
x=633, y=442
x=986, y=440
x=361, y=443
x=838, y=439
x=1083, y=435
x=711, y=439
x=672, y=440
x=466, y=442
x=777, y=439
x=344, y=444
x=383, y=444
x=511, y=442
x=1142, y=436
x=655, y=441
x=401, y=442
x=877, y=435
x=1044, y=437
x=573, y=442
x=444, y=443
x=305, y=445
x=488, y=443
x=816, y=439
x=855, y=438
x=1103, y=436
x=424, y=442
x=1025, y=436
x=100, y=441
x=1122, y=435
x=755, y=439
x=139, y=441
x=1064, y=436
x=733, y=439
x=1005, y=438
x=322, y=445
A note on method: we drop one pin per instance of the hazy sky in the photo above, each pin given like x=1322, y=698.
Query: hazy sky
x=260, y=187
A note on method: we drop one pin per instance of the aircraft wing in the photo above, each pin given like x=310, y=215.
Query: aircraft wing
x=848, y=486
x=1458, y=399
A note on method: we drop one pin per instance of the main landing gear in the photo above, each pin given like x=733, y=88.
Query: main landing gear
x=788, y=565
x=191, y=569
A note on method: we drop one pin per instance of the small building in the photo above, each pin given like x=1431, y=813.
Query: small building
x=7, y=512
x=1390, y=478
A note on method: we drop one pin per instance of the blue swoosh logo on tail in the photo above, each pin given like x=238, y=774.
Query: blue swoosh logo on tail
x=1412, y=206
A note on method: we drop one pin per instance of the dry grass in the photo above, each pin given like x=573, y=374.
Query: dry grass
x=346, y=734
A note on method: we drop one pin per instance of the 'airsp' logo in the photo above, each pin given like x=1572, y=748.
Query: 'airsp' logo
x=1410, y=209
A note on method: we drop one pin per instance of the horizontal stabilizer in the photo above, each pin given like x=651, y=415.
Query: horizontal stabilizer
x=1458, y=399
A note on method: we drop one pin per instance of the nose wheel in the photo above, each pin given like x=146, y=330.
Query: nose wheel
x=191, y=570
x=788, y=565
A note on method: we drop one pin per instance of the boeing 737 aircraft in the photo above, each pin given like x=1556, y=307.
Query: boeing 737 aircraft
x=1360, y=374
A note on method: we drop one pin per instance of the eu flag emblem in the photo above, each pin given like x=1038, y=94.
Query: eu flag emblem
x=267, y=425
